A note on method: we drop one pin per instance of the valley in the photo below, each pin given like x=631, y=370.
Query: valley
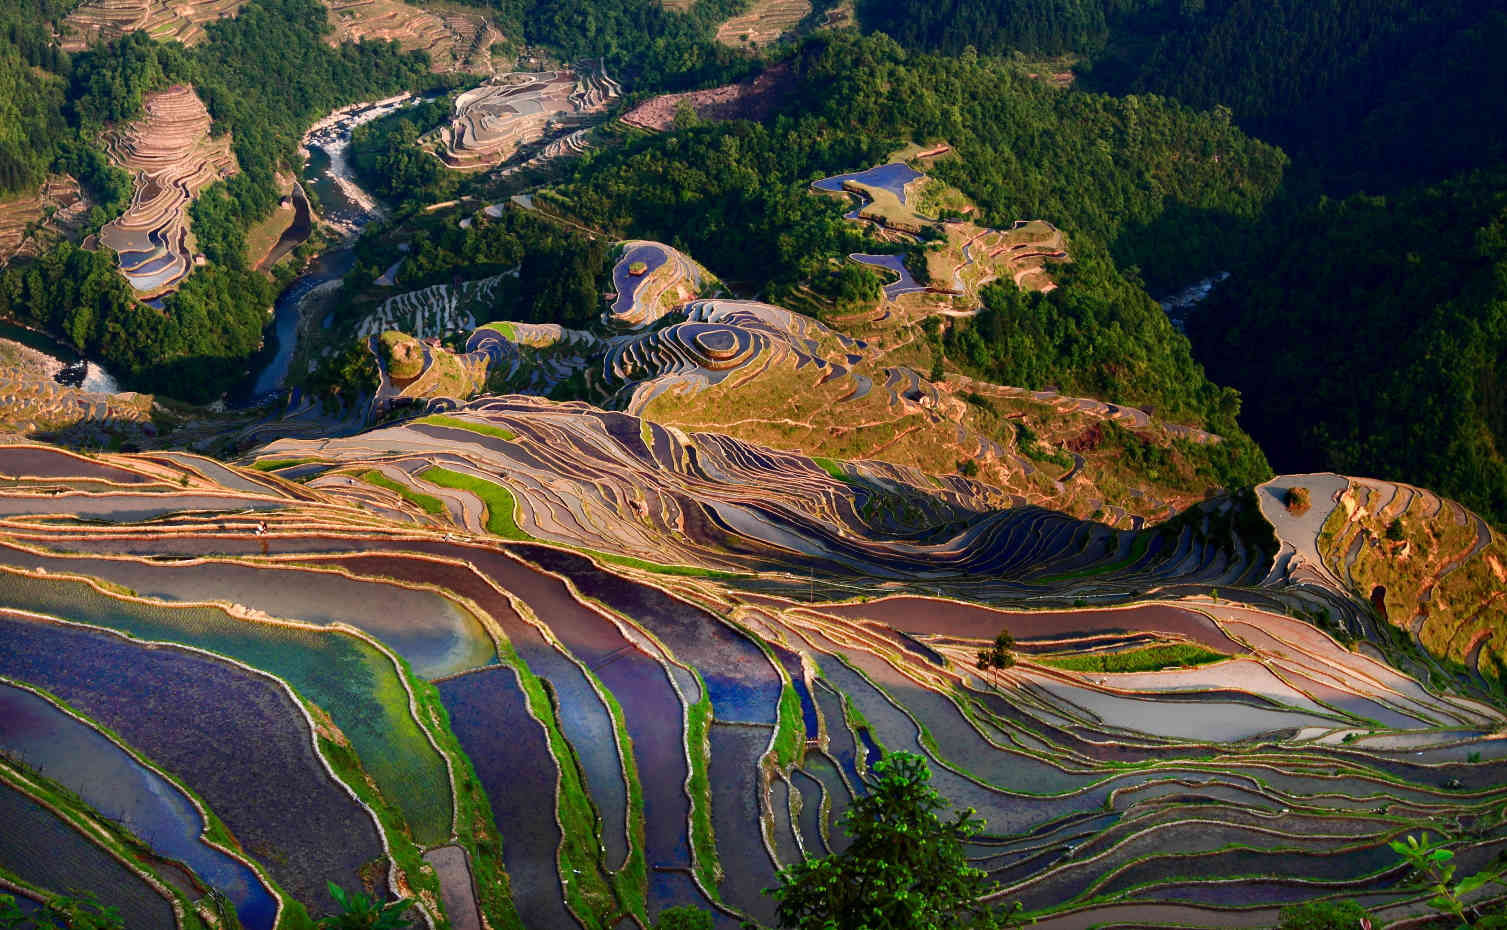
x=560, y=465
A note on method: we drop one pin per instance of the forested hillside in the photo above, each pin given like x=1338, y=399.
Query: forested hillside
x=1382, y=335
x=1374, y=93
x=1331, y=81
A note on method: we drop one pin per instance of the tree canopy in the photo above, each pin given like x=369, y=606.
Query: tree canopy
x=905, y=869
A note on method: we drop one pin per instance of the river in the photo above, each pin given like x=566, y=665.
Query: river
x=345, y=207
x=1178, y=305
x=96, y=379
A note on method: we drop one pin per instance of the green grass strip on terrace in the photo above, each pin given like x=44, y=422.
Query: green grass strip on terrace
x=505, y=329
x=703, y=835
x=1149, y=659
x=476, y=827
x=498, y=500
x=833, y=468
x=686, y=571
x=276, y=464
x=588, y=895
x=132, y=854
x=425, y=502
x=485, y=429
x=790, y=728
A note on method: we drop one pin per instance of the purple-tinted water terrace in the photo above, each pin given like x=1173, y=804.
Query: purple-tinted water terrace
x=625, y=282
x=734, y=778
x=43, y=462
x=583, y=718
x=653, y=711
x=907, y=284
x=949, y=618
x=740, y=681
x=234, y=737
x=841, y=746
x=73, y=864
x=111, y=782
x=436, y=636
x=510, y=750
x=892, y=177
x=810, y=791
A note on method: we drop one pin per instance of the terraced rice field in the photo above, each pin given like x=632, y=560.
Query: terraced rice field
x=29, y=223
x=492, y=122
x=211, y=724
x=696, y=724
x=107, y=20
x=73, y=862
x=1430, y=568
x=47, y=738
x=455, y=40
x=171, y=157
x=367, y=701
x=765, y=22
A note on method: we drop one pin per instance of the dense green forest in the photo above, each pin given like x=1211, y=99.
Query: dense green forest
x=1331, y=81
x=390, y=163
x=992, y=27
x=641, y=42
x=1375, y=343
x=1373, y=93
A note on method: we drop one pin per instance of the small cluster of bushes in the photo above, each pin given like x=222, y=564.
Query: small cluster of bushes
x=1297, y=501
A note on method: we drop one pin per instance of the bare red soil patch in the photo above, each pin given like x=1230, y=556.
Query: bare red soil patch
x=755, y=99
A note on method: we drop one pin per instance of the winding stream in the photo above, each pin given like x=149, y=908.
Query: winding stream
x=96, y=379
x=1177, y=306
x=344, y=206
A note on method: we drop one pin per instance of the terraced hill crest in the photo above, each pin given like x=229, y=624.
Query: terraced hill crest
x=164, y=20
x=772, y=376
x=454, y=39
x=517, y=109
x=28, y=224
x=171, y=157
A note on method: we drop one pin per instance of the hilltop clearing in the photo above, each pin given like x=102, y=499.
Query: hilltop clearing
x=99, y=21
x=753, y=99
x=764, y=23
x=1433, y=570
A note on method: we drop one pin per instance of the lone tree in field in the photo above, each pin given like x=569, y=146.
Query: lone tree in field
x=999, y=656
x=905, y=869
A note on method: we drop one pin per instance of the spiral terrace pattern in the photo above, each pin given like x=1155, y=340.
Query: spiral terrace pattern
x=1275, y=775
x=172, y=158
